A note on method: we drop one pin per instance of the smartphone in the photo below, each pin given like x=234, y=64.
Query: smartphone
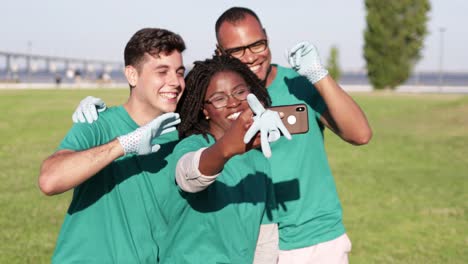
x=295, y=117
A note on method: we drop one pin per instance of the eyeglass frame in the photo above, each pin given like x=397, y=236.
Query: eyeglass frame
x=243, y=48
x=227, y=97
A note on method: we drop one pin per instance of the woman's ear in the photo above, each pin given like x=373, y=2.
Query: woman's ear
x=207, y=116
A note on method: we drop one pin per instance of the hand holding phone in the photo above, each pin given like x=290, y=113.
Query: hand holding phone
x=267, y=122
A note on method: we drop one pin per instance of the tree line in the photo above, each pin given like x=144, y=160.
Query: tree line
x=393, y=41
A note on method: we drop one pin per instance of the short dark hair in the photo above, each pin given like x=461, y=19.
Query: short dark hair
x=233, y=15
x=152, y=41
x=190, y=106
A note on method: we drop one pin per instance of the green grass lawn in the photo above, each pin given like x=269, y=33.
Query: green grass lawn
x=405, y=195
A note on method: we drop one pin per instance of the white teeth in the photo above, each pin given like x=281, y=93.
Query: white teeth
x=233, y=116
x=254, y=68
x=169, y=95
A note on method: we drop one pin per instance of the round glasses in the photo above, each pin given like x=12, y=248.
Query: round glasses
x=220, y=100
x=255, y=47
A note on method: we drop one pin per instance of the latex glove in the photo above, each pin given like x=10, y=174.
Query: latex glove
x=87, y=110
x=269, y=124
x=304, y=59
x=139, y=141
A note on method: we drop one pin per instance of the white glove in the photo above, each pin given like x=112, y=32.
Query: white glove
x=304, y=59
x=87, y=110
x=139, y=141
x=268, y=122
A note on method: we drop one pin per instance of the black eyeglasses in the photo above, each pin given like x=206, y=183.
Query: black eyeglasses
x=255, y=47
x=220, y=100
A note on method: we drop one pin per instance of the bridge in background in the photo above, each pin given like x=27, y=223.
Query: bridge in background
x=33, y=68
x=18, y=67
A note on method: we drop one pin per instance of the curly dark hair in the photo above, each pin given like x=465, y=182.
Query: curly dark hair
x=190, y=106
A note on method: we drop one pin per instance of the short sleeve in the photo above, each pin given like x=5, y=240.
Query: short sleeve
x=80, y=137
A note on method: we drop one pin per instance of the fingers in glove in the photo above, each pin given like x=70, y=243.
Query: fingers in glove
x=167, y=130
x=167, y=118
x=291, y=60
x=102, y=107
x=264, y=143
x=297, y=59
x=90, y=113
x=283, y=129
x=75, y=117
x=251, y=132
x=163, y=120
x=255, y=104
x=98, y=102
x=308, y=48
x=299, y=46
x=155, y=148
x=79, y=115
x=170, y=122
x=273, y=135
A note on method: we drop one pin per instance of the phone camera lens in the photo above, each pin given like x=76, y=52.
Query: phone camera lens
x=300, y=109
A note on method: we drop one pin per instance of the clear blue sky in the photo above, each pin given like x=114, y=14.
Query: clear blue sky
x=99, y=29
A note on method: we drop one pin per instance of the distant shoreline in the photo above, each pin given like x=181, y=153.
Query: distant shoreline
x=347, y=78
x=63, y=86
x=446, y=89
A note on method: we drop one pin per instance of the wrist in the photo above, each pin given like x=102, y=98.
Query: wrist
x=325, y=84
x=224, y=149
x=126, y=145
x=116, y=150
x=315, y=74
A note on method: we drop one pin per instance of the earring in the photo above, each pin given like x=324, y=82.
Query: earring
x=207, y=117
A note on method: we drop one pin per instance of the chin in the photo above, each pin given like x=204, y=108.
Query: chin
x=168, y=109
x=262, y=76
x=263, y=73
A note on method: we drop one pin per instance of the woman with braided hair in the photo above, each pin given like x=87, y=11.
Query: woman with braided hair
x=195, y=122
x=225, y=181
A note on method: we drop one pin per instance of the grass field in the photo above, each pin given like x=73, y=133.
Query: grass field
x=405, y=195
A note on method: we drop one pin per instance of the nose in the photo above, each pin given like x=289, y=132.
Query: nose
x=233, y=102
x=249, y=57
x=174, y=79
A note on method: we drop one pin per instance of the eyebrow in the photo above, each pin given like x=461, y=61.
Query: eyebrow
x=245, y=46
x=233, y=89
x=164, y=66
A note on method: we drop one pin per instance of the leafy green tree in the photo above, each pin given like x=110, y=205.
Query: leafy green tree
x=394, y=39
x=332, y=64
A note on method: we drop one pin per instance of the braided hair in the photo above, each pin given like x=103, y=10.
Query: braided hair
x=190, y=106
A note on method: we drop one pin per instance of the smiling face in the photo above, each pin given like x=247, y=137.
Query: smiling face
x=158, y=83
x=220, y=119
x=243, y=33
